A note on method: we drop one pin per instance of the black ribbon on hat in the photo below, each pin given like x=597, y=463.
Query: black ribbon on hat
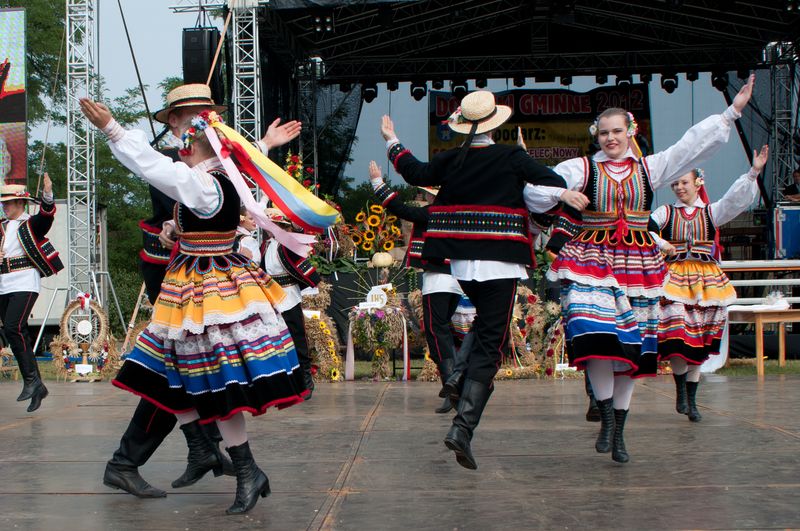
x=470, y=136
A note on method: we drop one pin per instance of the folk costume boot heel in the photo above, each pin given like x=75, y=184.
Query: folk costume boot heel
x=593, y=413
x=251, y=482
x=445, y=370
x=40, y=392
x=122, y=471
x=618, y=453
x=204, y=456
x=680, y=393
x=691, y=393
x=473, y=400
x=603, y=444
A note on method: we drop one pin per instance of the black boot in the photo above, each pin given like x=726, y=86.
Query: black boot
x=30, y=376
x=40, y=392
x=593, y=413
x=135, y=448
x=473, y=399
x=204, y=455
x=691, y=394
x=680, y=393
x=619, y=454
x=251, y=482
x=455, y=381
x=445, y=370
x=603, y=444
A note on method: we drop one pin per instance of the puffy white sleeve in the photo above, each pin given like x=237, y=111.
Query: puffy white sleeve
x=543, y=198
x=696, y=145
x=251, y=244
x=659, y=215
x=736, y=200
x=194, y=188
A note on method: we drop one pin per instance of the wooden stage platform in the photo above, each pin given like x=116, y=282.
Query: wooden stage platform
x=369, y=456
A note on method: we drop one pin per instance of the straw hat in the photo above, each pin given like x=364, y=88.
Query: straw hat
x=191, y=95
x=480, y=107
x=276, y=215
x=431, y=190
x=10, y=192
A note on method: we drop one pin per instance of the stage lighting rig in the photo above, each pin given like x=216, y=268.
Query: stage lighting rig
x=601, y=79
x=645, y=78
x=369, y=91
x=459, y=88
x=669, y=82
x=519, y=81
x=692, y=76
x=437, y=84
x=624, y=80
x=323, y=23
x=566, y=80
x=391, y=86
x=719, y=80
x=418, y=90
x=481, y=83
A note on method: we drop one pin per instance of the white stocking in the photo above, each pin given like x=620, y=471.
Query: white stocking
x=679, y=365
x=601, y=376
x=233, y=430
x=623, y=391
x=188, y=417
x=694, y=373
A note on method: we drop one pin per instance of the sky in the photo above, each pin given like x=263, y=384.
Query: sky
x=156, y=34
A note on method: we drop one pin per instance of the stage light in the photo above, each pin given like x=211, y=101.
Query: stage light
x=623, y=80
x=459, y=88
x=792, y=5
x=566, y=80
x=669, y=82
x=545, y=79
x=323, y=23
x=601, y=79
x=692, y=76
x=391, y=86
x=645, y=78
x=369, y=92
x=519, y=81
x=437, y=84
x=719, y=80
x=481, y=83
x=418, y=90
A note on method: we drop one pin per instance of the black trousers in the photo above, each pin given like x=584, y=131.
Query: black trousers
x=15, y=308
x=494, y=306
x=295, y=322
x=437, y=310
x=153, y=275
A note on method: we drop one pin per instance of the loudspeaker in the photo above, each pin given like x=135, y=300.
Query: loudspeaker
x=199, y=45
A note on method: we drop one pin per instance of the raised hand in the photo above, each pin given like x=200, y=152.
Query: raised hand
x=375, y=175
x=97, y=113
x=387, y=128
x=47, y=184
x=576, y=200
x=760, y=158
x=278, y=135
x=741, y=99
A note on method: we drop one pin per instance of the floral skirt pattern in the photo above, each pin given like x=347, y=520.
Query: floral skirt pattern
x=215, y=343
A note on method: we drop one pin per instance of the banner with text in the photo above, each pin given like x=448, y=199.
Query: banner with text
x=554, y=123
x=13, y=138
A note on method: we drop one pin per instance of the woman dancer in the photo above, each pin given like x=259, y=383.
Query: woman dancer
x=215, y=346
x=611, y=270
x=696, y=290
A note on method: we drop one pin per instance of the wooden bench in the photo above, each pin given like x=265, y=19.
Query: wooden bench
x=760, y=318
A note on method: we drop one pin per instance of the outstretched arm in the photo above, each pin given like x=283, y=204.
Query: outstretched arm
x=743, y=192
x=278, y=135
x=407, y=165
x=391, y=200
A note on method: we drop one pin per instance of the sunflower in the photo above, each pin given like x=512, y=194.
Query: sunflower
x=382, y=235
x=361, y=216
x=369, y=235
x=334, y=374
x=388, y=246
x=373, y=220
x=330, y=344
x=326, y=331
x=391, y=219
x=376, y=209
x=395, y=231
x=509, y=373
x=379, y=352
x=366, y=246
x=356, y=238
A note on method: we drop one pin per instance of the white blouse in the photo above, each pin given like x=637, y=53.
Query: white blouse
x=273, y=266
x=698, y=144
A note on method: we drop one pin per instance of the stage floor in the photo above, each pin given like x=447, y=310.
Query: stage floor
x=369, y=456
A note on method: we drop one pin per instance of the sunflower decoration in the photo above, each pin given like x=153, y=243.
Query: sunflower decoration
x=323, y=340
x=374, y=230
x=302, y=174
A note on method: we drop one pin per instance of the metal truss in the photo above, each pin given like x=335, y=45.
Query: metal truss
x=785, y=81
x=308, y=74
x=246, y=102
x=81, y=202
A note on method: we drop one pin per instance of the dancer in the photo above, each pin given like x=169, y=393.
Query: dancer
x=293, y=273
x=150, y=425
x=440, y=291
x=215, y=346
x=481, y=225
x=697, y=291
x=245, y=243
x=611, y=270
x=25, y=257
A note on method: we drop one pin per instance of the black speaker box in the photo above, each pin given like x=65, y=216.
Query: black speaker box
x=199, y=45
